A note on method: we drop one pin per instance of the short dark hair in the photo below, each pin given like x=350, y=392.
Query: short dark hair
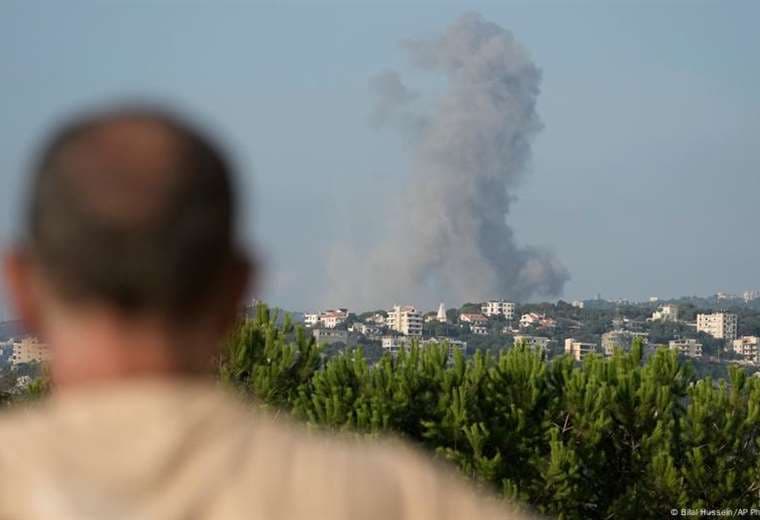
x=132, y=207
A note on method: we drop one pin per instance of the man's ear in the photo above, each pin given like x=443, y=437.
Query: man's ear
x=22, y=288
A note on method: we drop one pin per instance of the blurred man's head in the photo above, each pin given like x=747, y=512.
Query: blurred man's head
x=130, y=221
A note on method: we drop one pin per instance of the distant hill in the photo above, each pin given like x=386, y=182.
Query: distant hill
x=10, y=329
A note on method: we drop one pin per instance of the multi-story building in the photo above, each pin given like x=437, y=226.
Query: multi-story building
x=719, y=325
x=579, y=350
x=369, y=330
x=748, y=347
x=537, y=320
x=621, y=339
x=666, y=313
x=687, y=347
x=394, y=344
x=29, y=350
x=534, y=342
x=405, y=319
x=453, y=344
x=498, y=308
x=328, y=319
x=479, y=329
x=578, y=304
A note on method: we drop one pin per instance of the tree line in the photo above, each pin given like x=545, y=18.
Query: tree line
x=615, y=437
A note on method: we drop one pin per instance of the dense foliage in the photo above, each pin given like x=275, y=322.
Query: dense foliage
x=609, y=438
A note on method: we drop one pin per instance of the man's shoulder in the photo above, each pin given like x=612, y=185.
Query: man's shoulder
x=242, y=458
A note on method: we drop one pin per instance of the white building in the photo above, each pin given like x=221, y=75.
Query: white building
x=531, y=318
x=621, y=339
x=394, y=344
x=748, y=347
x=687, y=347
x=332, y=318
x=666, y=313
x=441, y=316
x=480, y=330
x=328, y=319
x=453, y=344
x=719, y=325
x=365, y=329
x=751, y=295
x=578, y=304
x=405, y=319
x=536, y=320
x=533, y=342
x=579, y=350
x=498, y=308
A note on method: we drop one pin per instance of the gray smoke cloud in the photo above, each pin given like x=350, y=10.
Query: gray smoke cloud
x=449, y=239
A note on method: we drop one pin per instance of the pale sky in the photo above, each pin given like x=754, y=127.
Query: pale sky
x=644, y=181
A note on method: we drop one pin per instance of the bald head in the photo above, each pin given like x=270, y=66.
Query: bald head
x=132, y=209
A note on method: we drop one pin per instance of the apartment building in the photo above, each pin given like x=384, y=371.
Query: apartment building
x=29, y=350
x=533, y=342
x=328, y=319
x=454, y=345
x=394, y=344
x=748, y=347
x=579, y=350
x=498, y=308
x=621, y=339
x=666, y=313
x=479, y=329
x=535, y=319
x=687, y=347
x=719, y=325
x=404, y=319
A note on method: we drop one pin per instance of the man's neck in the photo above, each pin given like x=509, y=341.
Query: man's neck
x=95, y=346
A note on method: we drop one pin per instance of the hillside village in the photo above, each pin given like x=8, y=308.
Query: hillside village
x=712, y=332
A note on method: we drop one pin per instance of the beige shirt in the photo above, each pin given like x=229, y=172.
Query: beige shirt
x=186, y=450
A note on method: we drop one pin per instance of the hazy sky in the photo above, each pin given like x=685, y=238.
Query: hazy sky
x=644, y=181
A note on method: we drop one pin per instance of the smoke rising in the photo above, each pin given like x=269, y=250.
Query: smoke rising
x=449, y=239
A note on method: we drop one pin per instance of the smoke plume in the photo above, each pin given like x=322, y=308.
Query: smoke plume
x=449, y=239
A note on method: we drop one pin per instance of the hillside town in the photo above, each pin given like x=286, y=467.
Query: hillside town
x=712, y=332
